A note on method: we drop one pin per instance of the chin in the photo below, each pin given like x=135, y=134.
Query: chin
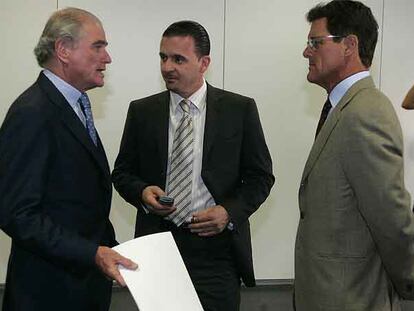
x=92, y=86
x=99, y=83
x=309, y=78
x=170, y=87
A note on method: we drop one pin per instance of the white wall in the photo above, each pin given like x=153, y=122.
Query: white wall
x=21, y=23
x=256, y=50
x=263, y=58
x=397, y=74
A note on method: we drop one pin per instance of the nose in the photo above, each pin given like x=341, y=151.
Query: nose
x=307, y=52
x=107, y=57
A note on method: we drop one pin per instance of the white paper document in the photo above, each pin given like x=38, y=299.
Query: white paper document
x=161, y=281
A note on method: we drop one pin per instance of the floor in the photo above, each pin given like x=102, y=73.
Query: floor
x=260, y=298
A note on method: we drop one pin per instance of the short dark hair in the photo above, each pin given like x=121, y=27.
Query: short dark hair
x=194, y=30
x=346, y=17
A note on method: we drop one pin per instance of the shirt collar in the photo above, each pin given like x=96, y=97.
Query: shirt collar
x=70, y=93
x=197, y=98
x=342, y=87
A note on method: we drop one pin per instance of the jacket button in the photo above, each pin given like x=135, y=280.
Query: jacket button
x=302, y=215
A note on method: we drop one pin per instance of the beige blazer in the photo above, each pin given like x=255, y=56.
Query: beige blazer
x=355, y=241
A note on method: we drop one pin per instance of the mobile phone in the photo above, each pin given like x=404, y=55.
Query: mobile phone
x=166, y=200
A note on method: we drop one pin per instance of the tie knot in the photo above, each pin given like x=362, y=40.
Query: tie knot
x=327, y=106
x=185, y=106
x=84, y=100
x=324, y=114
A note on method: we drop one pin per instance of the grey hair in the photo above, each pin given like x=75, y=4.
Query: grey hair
x=64, y=24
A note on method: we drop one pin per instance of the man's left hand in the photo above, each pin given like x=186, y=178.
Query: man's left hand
x=210, y=221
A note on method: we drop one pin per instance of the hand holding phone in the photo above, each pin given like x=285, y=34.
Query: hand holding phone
x=166, y=200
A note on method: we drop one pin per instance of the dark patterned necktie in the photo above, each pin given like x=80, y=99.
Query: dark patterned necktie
x=180, y=176
x=86, y=108
x=324, y=114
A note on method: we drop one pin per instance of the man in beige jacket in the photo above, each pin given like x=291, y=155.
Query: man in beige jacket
x=355, y=241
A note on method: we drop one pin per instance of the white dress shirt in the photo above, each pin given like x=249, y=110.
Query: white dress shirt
x=342, y=87
x=201, y=198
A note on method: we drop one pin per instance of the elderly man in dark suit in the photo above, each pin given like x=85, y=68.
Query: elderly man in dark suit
x=54, y=177
x=205, y=148
x=355, y=240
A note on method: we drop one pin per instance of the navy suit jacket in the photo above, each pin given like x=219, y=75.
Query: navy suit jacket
x=55, y=199
x=236, y=164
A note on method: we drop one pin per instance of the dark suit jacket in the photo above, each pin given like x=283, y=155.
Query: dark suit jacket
x=236, y=165
x=55, y=199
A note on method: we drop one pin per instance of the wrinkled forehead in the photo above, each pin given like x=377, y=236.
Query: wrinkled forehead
x=92, y=28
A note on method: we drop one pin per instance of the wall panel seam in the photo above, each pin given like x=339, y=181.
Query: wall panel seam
x=382, y=45
x=224, y=40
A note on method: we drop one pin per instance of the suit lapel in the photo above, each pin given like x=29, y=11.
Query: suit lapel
x=331, y=122
x=72, y=122
x=211, y=124
x=321, y=140
x=102, y=153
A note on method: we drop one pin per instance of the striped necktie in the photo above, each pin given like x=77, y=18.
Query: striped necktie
x=180, y=175
x=86, y=108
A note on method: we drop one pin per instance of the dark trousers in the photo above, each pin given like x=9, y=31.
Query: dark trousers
x=88, y=292
x=210, y=263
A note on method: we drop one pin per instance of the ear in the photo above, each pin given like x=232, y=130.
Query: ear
x=205, y=62
x=63, y=49
x=351, y=44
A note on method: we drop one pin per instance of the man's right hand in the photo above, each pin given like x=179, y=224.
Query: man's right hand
x=108, y=260
x=150, y=197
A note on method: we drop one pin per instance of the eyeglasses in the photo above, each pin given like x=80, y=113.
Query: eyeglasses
x=315, y=42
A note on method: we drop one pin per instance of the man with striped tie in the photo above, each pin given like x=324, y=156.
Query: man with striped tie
x=204, y=148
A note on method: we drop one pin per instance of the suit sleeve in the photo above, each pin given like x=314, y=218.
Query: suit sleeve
x=26, y=149
x=128, y=184
x=374, y=167
x=256, y=177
